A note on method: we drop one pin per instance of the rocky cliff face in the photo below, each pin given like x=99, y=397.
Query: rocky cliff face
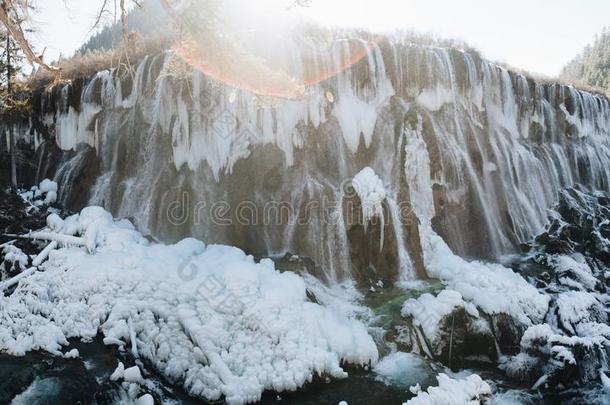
x=462, y=148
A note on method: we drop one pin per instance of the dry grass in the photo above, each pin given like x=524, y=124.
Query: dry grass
x=79, y=66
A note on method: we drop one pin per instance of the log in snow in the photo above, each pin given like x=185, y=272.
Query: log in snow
x=42, y=256
x=64, y=240
x=11, y=282
x=8, y=243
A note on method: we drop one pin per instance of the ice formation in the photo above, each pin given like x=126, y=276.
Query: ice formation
x=207, y=317
x=371, y=191
x=491, y=144
x=43, y=194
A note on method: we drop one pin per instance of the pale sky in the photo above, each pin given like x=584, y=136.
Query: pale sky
x=540, y=36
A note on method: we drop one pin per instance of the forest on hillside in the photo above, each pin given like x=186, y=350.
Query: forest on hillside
x=592, y=67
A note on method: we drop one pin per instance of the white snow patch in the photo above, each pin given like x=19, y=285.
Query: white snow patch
x=578, y=267
x=72, y=354
x=371, y=191
x=493, y=288
x=470, y=390
x=133, y=375
x=118, y=373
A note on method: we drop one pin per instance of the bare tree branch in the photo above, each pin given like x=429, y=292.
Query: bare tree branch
x=14, y=29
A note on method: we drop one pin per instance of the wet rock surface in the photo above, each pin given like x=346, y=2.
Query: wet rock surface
x=41, y=378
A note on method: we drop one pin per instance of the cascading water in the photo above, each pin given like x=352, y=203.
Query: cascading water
x=464, y=148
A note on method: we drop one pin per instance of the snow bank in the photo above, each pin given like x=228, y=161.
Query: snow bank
x=471, y=390
x=207, y=317
x=493, y=288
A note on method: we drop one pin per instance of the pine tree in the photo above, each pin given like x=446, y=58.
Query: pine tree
x=592, y=67
x=13, y=105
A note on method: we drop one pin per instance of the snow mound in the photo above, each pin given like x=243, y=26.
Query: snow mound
x=427, y=311
x=471, y=390
x=43, y=194
x=209, y=318
x=493, y=288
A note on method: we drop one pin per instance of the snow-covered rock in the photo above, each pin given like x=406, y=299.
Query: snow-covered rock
x=446, y=328
x=428, y=311
x=145, y=399
x=118, y=373
x=549, y=357
x=133, y=375
x=574, y=307
x=471, y=390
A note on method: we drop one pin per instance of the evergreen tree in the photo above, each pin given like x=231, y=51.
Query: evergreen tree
x=14, y=104
x=592, y=67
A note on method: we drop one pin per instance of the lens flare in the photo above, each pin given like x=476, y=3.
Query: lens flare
x=267, y=49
